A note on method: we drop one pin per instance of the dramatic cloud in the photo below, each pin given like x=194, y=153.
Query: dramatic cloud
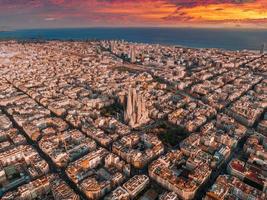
x=65, y=13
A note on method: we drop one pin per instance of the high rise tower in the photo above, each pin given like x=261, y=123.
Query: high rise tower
x=133, y=54
x=112, y=44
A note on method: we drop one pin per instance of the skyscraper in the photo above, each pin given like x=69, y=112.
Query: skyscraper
x=112, y=44
x=133, y=54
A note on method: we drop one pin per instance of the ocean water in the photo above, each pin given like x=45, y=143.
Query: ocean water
x=231, y=39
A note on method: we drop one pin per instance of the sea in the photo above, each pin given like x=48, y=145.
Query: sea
x=230, y=39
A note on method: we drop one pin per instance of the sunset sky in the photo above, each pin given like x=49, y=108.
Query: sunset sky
x=125, y=13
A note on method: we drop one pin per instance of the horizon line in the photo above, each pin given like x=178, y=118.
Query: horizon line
x=132, y=27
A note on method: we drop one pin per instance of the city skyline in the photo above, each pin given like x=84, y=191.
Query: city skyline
x=22, y=14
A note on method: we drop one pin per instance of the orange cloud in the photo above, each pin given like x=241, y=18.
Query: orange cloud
x=191, y=12
x=220, y=13
x=147, y=10
x=231, y=12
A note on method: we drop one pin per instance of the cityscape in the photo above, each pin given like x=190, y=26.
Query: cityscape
x=120, y=120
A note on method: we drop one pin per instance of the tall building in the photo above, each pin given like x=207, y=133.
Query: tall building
x=136, y=112
x=112, y=44
x=133, y=54
x=263, y=48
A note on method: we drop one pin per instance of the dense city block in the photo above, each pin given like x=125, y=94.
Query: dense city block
x=117, y=120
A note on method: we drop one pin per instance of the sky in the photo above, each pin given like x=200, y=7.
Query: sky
x=20, y=14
